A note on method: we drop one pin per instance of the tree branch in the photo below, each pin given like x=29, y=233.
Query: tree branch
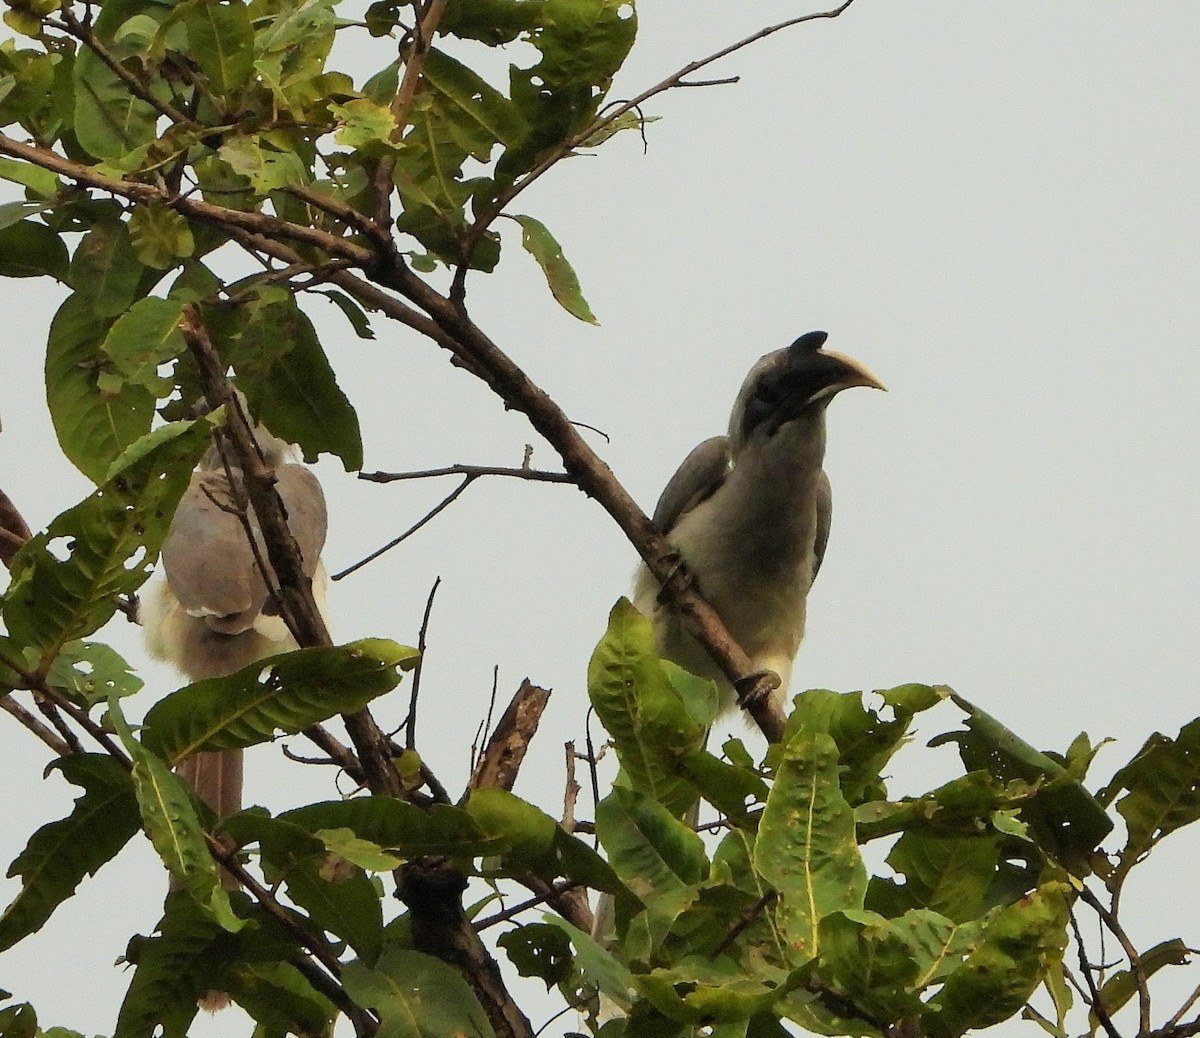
x=596, y=479
x=600, y=123
x=536, y=475
x=84, y=35
x=24, y=717
x=297, y=606
x=14, y=531
x=505, y=751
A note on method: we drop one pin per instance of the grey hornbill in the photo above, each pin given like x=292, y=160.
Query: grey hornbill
x=749, y=512
x=213, y=613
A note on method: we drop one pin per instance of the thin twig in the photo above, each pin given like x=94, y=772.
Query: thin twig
x=423, y=34
x=81, y=718
x=1131, y=953
x=72, y=25
x=1178, y=1014
x=55, y=718
x=474, y=471
x=27, y=719
x=339, y=754
x=1085, y=968
x=446, y=503
x=557, y=890
x=741, y=922
x=328, y=983
x=672, y=81
x=410, y=725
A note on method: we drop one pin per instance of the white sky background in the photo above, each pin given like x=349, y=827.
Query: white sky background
x=993, y=206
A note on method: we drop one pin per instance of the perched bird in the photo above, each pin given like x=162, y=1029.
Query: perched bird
x=749, y=512
x=212, y=613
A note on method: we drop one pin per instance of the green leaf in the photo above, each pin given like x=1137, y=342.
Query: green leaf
x=865, y=742
x=883, y=965
x=284, y=693
x=356, y=851
x=1019, y=945
x=279, y=999
x=109, y=121
x=642, y=710
x=1065, y=818
x=400, y=827
x=364, y=125
x=560, y=275
x=18, y=1021
x=29, y=249
x=950, y=875
x=105, y=270
x=267, y=168
x=536, y=840
x=60, y=854
x=170, y=820
x=477, y=113
x=140, y=340
x=193, y=955
x=221, y=40
x=806, y=845
x=539, y=950
x=416, y=995
x=358, y=319
x=597, y=963
x=14, y=212
x=65, y=581
x=1123, y=985
x=658, y=857
x=160, y=236
x=93, y=427
x=291, y=387
x=339, y=900
x=91, y=672
x=1162, y=785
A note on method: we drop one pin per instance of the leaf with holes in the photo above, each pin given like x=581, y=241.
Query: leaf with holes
x=285, y=693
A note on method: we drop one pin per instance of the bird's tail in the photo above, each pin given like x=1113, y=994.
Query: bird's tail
x=216, y=776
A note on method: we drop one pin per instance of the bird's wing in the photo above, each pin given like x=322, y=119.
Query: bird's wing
x=208, y=561
x=824, y=514
x=306, y=514
x=697, y=478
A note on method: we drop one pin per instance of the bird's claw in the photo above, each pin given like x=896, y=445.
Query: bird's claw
x=678, y=578
x=755, y=689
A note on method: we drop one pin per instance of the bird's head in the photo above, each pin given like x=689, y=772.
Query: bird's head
x=790, y=383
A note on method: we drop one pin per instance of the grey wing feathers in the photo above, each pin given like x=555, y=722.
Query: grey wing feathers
x=824, y=515
x=209, y=563
x=697, y=478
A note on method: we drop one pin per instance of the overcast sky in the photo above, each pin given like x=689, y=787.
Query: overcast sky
x=995, y=206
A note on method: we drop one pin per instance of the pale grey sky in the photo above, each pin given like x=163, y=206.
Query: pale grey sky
x=994, y=206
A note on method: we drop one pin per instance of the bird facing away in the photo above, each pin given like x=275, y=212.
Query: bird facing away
x=212, y=613
x=749, y=512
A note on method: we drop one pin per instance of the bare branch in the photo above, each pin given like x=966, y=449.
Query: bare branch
x=423, y=34
x=1131, y=953
x=571, y=788
x=441, y=507
x=505, y=751
x=557, y=890
x=24, y=717
x=474, y=471
x=1096, y=1003
x=14, y=531
x=410, y=725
